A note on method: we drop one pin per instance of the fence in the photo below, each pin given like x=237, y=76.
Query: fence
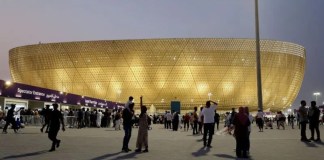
x=37, y=120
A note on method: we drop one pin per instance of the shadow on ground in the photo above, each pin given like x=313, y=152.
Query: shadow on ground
x=201, y=152
x=105, y=156
x=25, y=155
x=230, y=157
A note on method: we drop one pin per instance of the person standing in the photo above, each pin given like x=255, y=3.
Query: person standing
x=232, y=115
x=142, y=136
x=165, y=120
x=241, y=124
x=292, y=121
x=54, y=126
x=175, y=121
x=130, y=101
x=186, y=120
x=216, y=119
x=10, y=119
x=87, y=118
x=314, y=115
x=80, y=118
x=303, y=120
x=207, y=117
x=250, y=117
x=128, y=114
x=259, y=120
x=195, y=121
x=117, y=119
x=200, y=122
x=99, y=117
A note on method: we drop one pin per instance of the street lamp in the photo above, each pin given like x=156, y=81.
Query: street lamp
x=316, y=94
x=8, y=83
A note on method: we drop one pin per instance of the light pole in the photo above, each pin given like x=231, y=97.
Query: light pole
x=258, y=56
x=316, y=94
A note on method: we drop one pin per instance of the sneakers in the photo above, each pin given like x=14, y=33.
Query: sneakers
x=146, y=150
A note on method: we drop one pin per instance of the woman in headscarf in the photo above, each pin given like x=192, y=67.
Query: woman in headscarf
x=142, y=136
x=241, y=123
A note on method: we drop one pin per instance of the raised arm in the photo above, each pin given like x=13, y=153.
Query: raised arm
x=141, y=101
x=214, y=102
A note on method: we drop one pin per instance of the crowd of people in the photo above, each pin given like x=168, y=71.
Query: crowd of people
x=204, y=122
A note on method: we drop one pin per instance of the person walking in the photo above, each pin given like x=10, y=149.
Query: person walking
x=127, y=115
x=314, y=115
x=303, y=120
x=54, y=126
x=46, y=115
x=10, y=119
x=142, y=136
x=207, y=118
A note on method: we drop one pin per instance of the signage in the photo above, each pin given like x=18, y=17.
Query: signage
x=22, y=91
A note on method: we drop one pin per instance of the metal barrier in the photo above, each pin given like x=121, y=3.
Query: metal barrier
x=70, y=121
x=38, y=120
x=32, y=120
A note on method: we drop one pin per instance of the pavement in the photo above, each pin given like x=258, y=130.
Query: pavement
x=106, y=143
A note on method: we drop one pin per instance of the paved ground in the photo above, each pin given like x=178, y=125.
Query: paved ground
x=105, y=143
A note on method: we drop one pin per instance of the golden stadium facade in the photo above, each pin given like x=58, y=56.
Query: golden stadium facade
x=190, y=70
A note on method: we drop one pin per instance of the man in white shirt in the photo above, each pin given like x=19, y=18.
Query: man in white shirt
x=208, y=114
x=259, y=120
x=169, y=119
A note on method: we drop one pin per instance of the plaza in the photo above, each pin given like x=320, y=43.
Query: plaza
x=106, y=143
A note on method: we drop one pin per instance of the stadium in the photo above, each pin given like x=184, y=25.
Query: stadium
x=189, y=70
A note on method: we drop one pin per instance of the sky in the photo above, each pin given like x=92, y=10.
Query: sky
x=297, y=21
